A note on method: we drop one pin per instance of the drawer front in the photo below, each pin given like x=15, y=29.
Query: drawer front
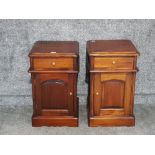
x=53, y=63
x=113, y=63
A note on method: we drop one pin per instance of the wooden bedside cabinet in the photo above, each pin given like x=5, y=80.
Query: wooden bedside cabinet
x=54, y=69
x=111, y=70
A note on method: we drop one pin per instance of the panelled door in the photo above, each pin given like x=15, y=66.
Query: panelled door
x=112, y=94
x=54, y=94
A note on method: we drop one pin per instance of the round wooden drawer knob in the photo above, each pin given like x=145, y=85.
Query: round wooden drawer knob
x=53, y=63
x=113, y=62
x=70, y=93
x=97, y=93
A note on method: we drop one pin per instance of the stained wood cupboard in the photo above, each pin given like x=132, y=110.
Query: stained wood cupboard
x=111, y=73
x=54, y=67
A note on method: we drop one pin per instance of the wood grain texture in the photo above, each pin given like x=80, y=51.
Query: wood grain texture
x=112, y=121
x=54, y=82
x=61, y=47
x=53, y=63
x=113, y=63
x=95, y=46
x=50, y=94
x=112, y=68
x=112, y=94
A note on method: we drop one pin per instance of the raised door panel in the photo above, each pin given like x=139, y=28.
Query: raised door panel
x=112, y=94
x=54, y=94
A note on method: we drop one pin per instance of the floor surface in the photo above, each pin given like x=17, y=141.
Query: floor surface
x=17, y=121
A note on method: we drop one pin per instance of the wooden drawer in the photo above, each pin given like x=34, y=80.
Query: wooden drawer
x=52, y=63
x=113, y=63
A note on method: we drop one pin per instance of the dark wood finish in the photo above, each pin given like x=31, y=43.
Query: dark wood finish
x=54, y=69
x=111, y=71
x=60, y=47
x=53, y=63
x=103, y=46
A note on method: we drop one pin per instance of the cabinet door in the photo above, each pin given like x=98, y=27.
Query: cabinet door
x=54, y=94
x=113, y=94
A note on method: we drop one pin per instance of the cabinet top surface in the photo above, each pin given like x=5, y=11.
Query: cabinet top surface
x=108, y=46
x=55, y=47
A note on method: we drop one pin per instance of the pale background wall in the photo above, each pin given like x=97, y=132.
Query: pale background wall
x=18, y=36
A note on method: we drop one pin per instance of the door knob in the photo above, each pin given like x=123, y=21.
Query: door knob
x=97, y=93
x=53, y=63
x=70, y=93
x=113, y=62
